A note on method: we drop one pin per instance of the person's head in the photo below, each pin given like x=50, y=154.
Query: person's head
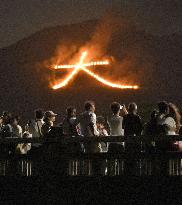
x=163, y=107
x=14, y=121
x=50, y=116
x=174, y=113
x=5, y=113
x=89, y=106
x=25, y=135
x=39, y=114
x=6, y=117
x=100, y=122
x=132, y=108
x=71, y=112
x=115, y=108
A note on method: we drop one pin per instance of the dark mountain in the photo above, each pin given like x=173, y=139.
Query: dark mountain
x=152, y=62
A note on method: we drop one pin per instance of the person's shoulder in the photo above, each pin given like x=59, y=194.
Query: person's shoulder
x=169, y=119
x=92, y=114
x=19, y=127
x=120, y=117
x=42, y=121
x=44, y=124
x=92, y=117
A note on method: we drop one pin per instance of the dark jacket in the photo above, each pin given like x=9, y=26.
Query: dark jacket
x=132, y=124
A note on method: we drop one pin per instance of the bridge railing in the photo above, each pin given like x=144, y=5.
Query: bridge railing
x=57, y=156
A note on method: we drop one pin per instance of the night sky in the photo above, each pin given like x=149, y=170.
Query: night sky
x=20, y=18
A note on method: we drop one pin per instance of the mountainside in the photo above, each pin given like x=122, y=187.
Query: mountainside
x=137, y=57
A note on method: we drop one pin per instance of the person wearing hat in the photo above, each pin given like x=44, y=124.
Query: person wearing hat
x=49, y=119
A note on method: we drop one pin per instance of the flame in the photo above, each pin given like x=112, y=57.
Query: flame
x=82, y=66
x=106, y=82
x=72, y=74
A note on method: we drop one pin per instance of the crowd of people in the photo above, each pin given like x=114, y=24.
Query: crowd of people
x=166, y=120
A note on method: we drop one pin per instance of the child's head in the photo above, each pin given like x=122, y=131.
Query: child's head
x=25, y=135
x=89, y=106
x=100, y=122
x=71, y=112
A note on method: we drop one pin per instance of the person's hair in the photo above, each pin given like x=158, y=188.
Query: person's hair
x=115, y=107
x=132, y=107
x=46, y=119
x=101, y=120
x=88, y=105
x=163, y=107
x=69, y=110
x=12, y=119
x=174, y=113
x=18, y=118
x=39, y=113
x=6, y=117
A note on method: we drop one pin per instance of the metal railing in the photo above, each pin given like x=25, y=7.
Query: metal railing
x=141, y=156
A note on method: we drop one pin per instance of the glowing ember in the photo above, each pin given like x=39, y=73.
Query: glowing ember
x=82, y=66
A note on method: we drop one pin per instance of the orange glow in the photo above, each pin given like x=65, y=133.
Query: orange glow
x=82, y=66
x=106, y=82
x=72, y=74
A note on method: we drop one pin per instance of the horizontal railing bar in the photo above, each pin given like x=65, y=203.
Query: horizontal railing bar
x=123, y=155
x=69, y=139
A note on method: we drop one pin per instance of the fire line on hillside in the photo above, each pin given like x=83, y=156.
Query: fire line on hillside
x=84, y=67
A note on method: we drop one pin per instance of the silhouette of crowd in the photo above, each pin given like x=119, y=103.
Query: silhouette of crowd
x=166, y=120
